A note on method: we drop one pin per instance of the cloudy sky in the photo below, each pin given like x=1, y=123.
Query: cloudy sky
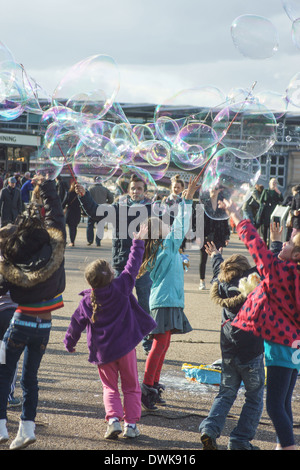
x=161, y=47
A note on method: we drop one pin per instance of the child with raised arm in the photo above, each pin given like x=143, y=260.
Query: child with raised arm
x=162, y=258
x=32, y=267
x=115, y=325
x=242, y=354
x=272, y=311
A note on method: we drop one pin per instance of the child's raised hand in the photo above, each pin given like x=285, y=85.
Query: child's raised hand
x=211, y=249
x=275, y=232
x=142, y=234
x=231, y=210
x=192, y=187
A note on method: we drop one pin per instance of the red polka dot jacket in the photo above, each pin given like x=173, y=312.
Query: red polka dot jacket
x=272, y=310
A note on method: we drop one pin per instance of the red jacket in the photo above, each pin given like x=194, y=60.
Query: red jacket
x=272, y=310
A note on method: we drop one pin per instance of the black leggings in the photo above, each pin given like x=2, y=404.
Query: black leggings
x=203, y=258
x=202, y=265
x=280, y=385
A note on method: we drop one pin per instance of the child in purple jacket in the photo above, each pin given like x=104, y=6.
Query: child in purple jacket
x=115, y=324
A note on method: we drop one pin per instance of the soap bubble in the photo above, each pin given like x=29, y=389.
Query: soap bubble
x=61, y=144
x=195, y=104
x=273, y=101
x=42, y=164
x=248, y=128
x=237, y=95
x=293, y=91
x=8, y=68
x=227, y=177
x=254, y=36
x=144, y=175
x=296, y=33
x=90, y=165
x=292, y=8
x=90, y=86
x=153, y=156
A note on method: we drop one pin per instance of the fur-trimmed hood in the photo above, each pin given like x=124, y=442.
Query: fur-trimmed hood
x=26, y=278
x=230, y=302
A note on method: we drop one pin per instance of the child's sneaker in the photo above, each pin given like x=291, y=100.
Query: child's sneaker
x=202, y=285
x=149, y=397
x=131, y=431
x=160, y=388
x=113, y=430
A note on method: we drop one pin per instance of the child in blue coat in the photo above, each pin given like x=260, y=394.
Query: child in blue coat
x=162, y=258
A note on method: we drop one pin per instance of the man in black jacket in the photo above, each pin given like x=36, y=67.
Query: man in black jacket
x=10, y=203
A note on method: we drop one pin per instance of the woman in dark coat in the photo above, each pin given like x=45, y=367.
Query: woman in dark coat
x=270, y=198
x=73, y=212
x=216, y=229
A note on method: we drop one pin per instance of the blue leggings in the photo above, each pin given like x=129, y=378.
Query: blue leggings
x=280, y=385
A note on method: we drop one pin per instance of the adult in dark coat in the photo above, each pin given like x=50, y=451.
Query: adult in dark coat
x=73, y=213
x=101, y=195
x=270, y=198
x=10, y=202
x=216, y=229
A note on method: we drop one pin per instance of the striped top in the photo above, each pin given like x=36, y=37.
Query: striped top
x=42, y=307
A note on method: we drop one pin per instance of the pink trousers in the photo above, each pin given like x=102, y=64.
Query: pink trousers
x=126, y=368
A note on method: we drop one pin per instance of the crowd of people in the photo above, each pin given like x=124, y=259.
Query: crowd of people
x=259, y=311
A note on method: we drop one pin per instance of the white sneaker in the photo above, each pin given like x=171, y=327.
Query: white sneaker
x=202, y=285
x=3, y=431
x=131, y=431
x=25, y=435
x=113, y=430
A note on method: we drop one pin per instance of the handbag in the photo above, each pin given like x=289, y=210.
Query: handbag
x=253, y=203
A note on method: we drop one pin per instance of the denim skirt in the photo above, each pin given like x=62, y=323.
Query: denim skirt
x=170, y=319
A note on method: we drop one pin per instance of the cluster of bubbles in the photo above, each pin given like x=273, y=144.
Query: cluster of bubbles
x=85, y=129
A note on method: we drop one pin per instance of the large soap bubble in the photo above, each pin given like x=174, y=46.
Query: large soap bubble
x=194, y=145
x=188, y=105
x=95, y=166
x=275, y=102
x=254, y=36
x=227, y=177
x=42, y=165
x=90, y=86
x=293, y=91
x=292, y=8
x=248, y=128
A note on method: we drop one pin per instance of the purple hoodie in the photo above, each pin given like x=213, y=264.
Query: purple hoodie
x=120, y=323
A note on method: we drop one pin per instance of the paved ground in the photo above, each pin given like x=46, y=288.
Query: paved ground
x=70, y=412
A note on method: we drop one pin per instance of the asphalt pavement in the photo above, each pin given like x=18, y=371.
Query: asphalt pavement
x=70, y=411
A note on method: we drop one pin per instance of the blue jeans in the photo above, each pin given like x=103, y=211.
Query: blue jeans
x=233, y=374
x=142, y=288
x=33, y=342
